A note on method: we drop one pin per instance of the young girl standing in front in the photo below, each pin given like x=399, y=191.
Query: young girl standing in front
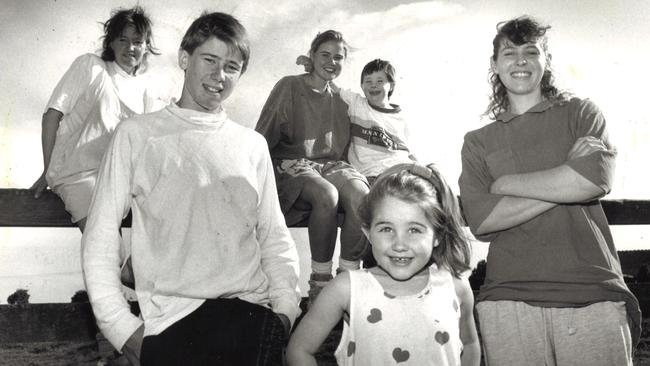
x=413, y=308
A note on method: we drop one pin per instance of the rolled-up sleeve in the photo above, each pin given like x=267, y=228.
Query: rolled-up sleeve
x=587, y=120
x=474, y=183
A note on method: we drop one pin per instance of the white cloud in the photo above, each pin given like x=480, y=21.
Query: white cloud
x=379, y=25
x=440, y=50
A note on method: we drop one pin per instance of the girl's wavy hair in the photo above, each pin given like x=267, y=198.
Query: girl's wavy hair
x=424, y=186
x=520, y=30
x=119, y=20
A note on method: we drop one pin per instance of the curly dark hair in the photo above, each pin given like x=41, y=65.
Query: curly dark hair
x=520, y=30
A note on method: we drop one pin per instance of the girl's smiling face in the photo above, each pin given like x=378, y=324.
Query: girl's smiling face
x=328, y=60
x=402, y=238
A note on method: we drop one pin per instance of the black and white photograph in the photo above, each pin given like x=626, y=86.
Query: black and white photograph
x=368, y=182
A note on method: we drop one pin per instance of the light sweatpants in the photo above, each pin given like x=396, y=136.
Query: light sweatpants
x=515, y=333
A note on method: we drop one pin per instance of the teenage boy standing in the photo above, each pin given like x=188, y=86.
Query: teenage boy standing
x=215, y=267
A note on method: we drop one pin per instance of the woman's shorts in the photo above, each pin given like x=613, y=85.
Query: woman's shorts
x=291, y=175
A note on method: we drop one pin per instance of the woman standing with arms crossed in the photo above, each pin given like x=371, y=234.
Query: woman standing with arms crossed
x=307, y=128
x=531, y=182
x=94, y=95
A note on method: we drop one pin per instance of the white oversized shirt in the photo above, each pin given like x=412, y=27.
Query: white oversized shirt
x=206, y=222
x=94, y=96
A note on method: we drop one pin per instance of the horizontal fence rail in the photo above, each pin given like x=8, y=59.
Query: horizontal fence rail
x=18, y=207
x=59, y=322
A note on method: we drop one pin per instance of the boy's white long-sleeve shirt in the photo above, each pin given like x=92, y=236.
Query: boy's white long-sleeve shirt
x=206, y=222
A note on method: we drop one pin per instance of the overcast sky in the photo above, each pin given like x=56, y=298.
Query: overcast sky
x=441, y=51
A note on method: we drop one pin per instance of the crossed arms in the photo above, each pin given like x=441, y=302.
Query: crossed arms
x=531, y=194
x=497, y=197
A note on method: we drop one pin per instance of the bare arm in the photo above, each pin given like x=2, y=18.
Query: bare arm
x=560, y=184
x=512, y=211
x=471, y=349
x=49, y=125
x=319, y=321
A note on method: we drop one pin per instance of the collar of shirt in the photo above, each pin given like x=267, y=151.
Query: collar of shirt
x=198, y=118
x=113, y=68
x=540, y=107
x=396, y=108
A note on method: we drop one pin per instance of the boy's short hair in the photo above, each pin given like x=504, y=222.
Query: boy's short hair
x=222, y=26
x=518, y=31
x=119, y=20
x=380, y=65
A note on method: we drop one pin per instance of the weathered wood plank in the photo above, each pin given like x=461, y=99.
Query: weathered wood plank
x=627, y=212
x=18, y=207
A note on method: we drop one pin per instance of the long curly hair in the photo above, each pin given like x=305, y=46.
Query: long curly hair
x=520, y=30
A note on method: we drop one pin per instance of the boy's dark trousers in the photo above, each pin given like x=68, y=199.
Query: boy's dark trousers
x=229, y=332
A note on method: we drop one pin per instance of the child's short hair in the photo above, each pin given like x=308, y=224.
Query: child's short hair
x=520, y=30
x=425, y=187
x=328, y=35
x=119, y=20
x=222, y=26
x=380, y=65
